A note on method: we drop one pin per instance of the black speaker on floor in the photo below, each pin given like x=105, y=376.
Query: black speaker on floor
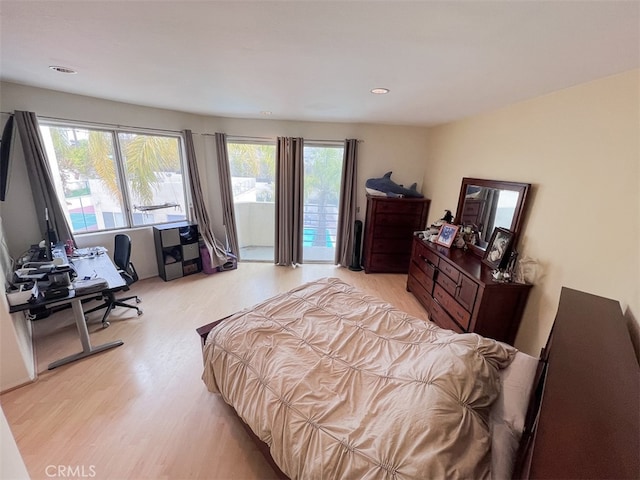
x=355, y=259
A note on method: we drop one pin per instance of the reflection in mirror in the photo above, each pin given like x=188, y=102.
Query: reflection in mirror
x=487, y=208
x=487, y=204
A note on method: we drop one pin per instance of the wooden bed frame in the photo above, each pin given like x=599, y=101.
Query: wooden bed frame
x=583, y=419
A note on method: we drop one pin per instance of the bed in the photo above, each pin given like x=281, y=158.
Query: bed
x=571, y=414
x=340, y=384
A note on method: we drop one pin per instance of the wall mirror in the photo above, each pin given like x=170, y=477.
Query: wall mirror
x=486, y=204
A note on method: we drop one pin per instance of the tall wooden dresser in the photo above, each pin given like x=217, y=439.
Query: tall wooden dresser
x=389, y=227
x=459, y=293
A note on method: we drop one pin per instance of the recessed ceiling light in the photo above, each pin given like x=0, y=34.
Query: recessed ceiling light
x=265, y=112
x=379, y=91
x=58, y=68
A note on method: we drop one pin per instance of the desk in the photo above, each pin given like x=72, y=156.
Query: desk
x=95, y=266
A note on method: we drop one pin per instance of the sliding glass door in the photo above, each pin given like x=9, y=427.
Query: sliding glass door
x=252, y=167
x=322, y=176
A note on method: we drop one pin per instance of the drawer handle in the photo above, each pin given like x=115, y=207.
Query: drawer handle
x=427, y=262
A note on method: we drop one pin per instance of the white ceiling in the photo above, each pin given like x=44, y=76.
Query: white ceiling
x=318, y=60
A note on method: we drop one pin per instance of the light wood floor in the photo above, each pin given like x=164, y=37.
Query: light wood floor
x=141, y=410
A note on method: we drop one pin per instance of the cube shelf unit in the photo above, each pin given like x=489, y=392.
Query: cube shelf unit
x=177, y=250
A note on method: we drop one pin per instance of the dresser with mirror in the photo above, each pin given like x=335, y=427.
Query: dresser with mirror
x=456, y=288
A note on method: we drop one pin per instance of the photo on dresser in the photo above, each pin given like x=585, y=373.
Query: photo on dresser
x=497, y=253
x=447, y=235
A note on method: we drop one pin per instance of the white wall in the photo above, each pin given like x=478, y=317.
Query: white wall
x=382, y=148
x=12, y=466
x=17, y=364
x=580, y=148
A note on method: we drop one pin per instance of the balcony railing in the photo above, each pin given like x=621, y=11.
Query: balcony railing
x=256, y=231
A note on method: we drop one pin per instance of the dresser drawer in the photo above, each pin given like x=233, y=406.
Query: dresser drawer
x=428, y=268
x=387, y=262
x=449, y=285
x=400, y=206
x=442, y=319
x=419, y=290
x=425, y=254
x=451, y=271
x=423, y=273
x=467, y=292
x=392, y=244
x=401, y=220
x=464, y=291
x=456, y=310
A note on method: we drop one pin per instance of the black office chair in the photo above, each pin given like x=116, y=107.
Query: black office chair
x=121, y=257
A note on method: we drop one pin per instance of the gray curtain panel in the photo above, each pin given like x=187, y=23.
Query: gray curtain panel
x=490, y=197
x=216, y=250
x=226, y=194
x=348, y=203
x=42, y=187
x=289, y=177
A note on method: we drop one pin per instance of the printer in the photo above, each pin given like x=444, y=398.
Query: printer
x=50, y=279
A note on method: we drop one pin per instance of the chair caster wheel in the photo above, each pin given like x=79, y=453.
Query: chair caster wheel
x=139, y=312
x=105, y=324
x=138, y=300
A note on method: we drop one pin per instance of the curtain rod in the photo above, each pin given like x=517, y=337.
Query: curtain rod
x=111, y=125
x=273, y=139
x=100, y=124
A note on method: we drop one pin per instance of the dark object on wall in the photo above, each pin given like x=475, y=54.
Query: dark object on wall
x=5, y=151
x=355, y=259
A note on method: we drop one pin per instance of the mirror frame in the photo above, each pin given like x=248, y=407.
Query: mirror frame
x=518, y=216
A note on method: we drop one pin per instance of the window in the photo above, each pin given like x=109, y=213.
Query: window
x=253, y=171
x=108, y=179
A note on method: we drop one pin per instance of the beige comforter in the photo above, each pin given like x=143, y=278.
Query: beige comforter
x=341, y=385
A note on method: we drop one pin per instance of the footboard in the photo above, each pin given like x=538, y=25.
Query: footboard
x=204, y=330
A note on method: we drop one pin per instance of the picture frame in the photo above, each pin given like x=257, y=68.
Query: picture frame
x=497, y=253
x=447, y=235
